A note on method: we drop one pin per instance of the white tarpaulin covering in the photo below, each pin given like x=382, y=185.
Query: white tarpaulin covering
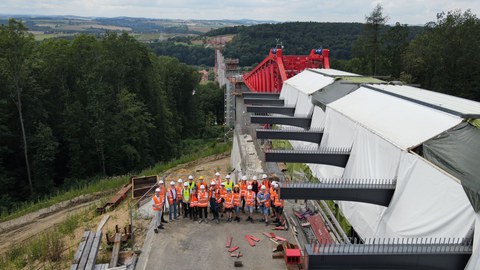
x=333, y=72
x=308, y=82
x=236, y=157
x=371, y=158
x=318, y=118
x=403, y=123
x=289, y=94
x=426, y=203
x=474, y=262
x=304, y=107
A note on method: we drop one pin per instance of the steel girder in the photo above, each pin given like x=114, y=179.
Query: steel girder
x=261, y=95
x=337, y=158
x=290, y=111
x=264, y=101
x=303, y=122
x=314, y=136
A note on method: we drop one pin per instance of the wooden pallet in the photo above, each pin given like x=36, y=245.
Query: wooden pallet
x=86, y=254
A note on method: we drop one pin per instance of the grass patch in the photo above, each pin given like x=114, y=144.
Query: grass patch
x=112, y=183
x=68, y=226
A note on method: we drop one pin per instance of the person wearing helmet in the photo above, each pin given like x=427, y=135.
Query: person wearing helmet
x=222, y=191
x=265, y=182
x=236, y=202
x=185, y=200
x=250, y=199
x=263, y=199
x=243, y=191
x=229, y=200
x=157, y=206
x=217, y=179
x=203, y=204
x=214, y=195
x=255, y=189
x=273, y=193
x=228, y=182
x=172, y=201
x=179, y=188
x=201, y=181
x=193, y=204
x=163, y=192
x=191, y=183
x=279, y=206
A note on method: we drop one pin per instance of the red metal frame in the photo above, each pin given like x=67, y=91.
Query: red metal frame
x=270, y=74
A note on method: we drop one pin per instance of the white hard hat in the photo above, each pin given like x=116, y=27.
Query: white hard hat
x=157, y=190
x=276, y=185
x=190, y=177
x=254, y=178
x=263, y=187
x=227, y=176
x=217, y=174
x=160, y=182
x=180, y=180
x=249, y=187
x=264, y=176
x=244, y=177
x=223, y=184
x=172, y=183
x=274, y=182
x=202, y=187
x=185, y=184
x=212, y=183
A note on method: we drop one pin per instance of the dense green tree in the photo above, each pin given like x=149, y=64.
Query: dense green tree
x=393, y=46
x=45, y=148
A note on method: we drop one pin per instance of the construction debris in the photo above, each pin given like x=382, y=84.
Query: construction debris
x=87, y=251
x=280, y=228
x=115, y=200
x=267, y=234
x=254, y=238
x=233, y=249
x=237, y=255
x=229, y=242
x=102, y=222
x=126, y=235
x=250, y=241
x=238, y=264
x=115, y=250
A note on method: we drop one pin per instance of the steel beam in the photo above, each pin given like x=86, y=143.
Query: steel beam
x=290, y=111
x=314, y=136
x=303, y=122
x=372, y=191
x=264, y=101
x=261, y=95
x=416, y=254
x=326, y=157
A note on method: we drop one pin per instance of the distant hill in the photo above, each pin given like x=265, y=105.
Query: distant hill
x=253, y=43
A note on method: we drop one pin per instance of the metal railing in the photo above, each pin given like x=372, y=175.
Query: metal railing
x=314, y=150
x=343, y=183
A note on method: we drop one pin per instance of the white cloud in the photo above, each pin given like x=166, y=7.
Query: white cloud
x=405, y=11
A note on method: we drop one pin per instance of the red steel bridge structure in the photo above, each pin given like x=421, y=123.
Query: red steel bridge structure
x=270, y=74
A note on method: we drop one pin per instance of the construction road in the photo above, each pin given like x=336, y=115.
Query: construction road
x=185, y=244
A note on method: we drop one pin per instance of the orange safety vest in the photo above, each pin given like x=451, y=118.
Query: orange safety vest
x=163, y=190
x=229, y=200
x=179, y=192
x=157, y=203
x=250, y=198
x=170, y=195
x=243, y=188
x=193, y=201
x=199, y=183
x=202, y=199
x=266, y=183
x=236, y=199
x=266, y=202
x=278, y=202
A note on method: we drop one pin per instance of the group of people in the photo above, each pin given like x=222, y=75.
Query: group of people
x=225, y=199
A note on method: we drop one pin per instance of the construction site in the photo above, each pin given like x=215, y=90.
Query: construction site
x=367, y=169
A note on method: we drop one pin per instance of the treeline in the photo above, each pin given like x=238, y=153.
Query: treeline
x=444, y=57
x=183, y=50
x=253, y=43
x=72, y=109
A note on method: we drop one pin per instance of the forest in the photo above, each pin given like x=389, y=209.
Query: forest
x=75, y=109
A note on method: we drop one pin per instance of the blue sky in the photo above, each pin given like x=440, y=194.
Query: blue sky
x=403, y=11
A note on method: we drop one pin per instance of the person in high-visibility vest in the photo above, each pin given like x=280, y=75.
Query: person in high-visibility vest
x=203, y=204
x=157, y=206
x=255, y=189
x=163, y=192
x=236, y=202
x=263, y=198
x=222, y=191
x=194, y=204
x=265, y=182
x=201, y=181
x=185, y=200
x=279, y=206
x=217, y=179
x=250, y=202
x=214, y=196
x=273, y=193
x=172, y=201
x=191, y=183
x=179, y=188
x=229, y=200
x=243, y=191
x=228, y=182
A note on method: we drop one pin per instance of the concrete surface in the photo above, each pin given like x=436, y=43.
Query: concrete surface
x=185, y=244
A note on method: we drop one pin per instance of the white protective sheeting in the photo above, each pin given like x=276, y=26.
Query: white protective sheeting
x=371, y=158
x=236, y=157
x=461, y=105
x=426, y=203
x=304, y=106
x=333, y=72
x=289, y=94
x=474, y=262
x=308, y=82
x=318, y=118
x=403, y=123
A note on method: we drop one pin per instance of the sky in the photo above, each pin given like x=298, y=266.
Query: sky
x=416, y=12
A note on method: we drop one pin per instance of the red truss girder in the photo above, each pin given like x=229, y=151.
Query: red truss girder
x=270, y=74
